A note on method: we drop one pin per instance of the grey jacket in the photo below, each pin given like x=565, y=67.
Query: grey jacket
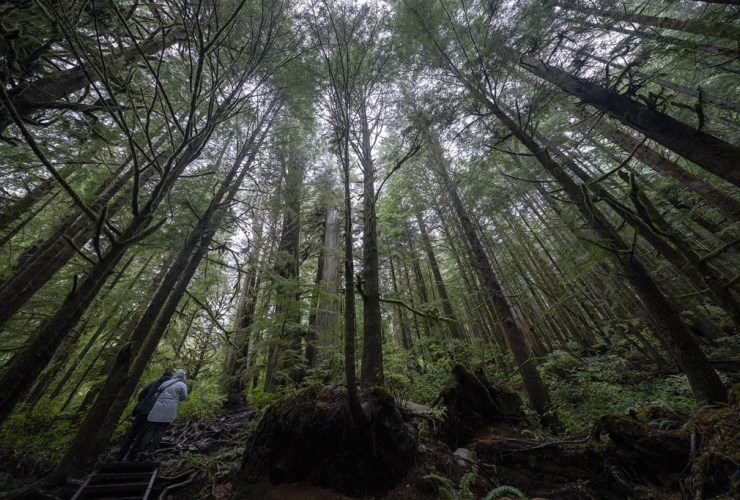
x=171, y=393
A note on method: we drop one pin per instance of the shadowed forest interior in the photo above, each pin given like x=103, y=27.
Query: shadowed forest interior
x=399, y=249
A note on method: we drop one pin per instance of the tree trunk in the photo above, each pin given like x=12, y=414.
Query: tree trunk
x=658, y=233
x=488, y=335
x=94, y=433
x=718, y=30
x=46, y=377
x=311, y=338
x=372, y=348
x=328, y=308
x=234, y=381
x=350, y=326
x=420, y=283
x=676, y=339
x=284, y=352
x=50, y=91
x=21, y=207
x=25, y=366
x=405, y=338
x=699, y=95
x=724, y=203
x=453, y=326
x=535, y=387
x=681, y=43
x=712, y=154
x=86, y=349
x=40, y=264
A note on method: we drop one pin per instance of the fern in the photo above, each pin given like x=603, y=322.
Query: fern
x=449, y=491
x=504, y=490
x=466, y=482
x=447, y=487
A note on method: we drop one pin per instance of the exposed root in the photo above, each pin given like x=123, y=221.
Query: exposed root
x=473, y=403
x=311, y=437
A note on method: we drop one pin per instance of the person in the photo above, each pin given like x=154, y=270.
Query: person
x=163, y=413
x=140, y=414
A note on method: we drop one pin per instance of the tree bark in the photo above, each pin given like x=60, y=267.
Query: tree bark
x=21, y=207
x=371, y=373
x=51, y=90
x=651, y=225
x=454, y=325
x=701, y=96
x=40, y=263
x=25, y=366
x=285, y=348
x=680, y=43
x=46, y=377
x=234, y=381
x=673, y=334
x=328, y=307
x=311, y=337
x=405, y=338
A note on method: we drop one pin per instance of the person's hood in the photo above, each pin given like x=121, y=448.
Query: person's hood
x=179, y=374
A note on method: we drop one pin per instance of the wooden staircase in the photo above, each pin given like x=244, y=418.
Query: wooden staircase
x=119, y=481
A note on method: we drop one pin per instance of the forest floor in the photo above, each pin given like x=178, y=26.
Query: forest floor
x=649, y=453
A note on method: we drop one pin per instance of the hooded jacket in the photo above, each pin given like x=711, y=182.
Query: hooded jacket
x=170, y=394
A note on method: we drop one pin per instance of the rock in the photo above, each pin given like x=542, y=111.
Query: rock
x=466, y=456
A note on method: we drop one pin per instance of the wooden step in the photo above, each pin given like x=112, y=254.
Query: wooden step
x=115, y=490
x=114, y=467
x=121, y=477
x=119, y=481
x=118, y=498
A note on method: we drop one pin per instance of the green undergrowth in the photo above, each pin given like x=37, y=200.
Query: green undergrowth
x=36, y=438
x=585, y=389
x=205, y=402
x=448, y=490
x=716, y=432
x=420, y=374
x=208, y=470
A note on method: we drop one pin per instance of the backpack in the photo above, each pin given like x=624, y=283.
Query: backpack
x=151, y=393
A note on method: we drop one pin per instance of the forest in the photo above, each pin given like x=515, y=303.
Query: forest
x=400, y=249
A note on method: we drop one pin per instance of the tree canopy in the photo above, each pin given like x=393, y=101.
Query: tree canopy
x=285, y=194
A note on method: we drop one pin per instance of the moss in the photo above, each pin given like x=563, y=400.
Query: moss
x=716, y=434
x=660, y=416
x=658, y=453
